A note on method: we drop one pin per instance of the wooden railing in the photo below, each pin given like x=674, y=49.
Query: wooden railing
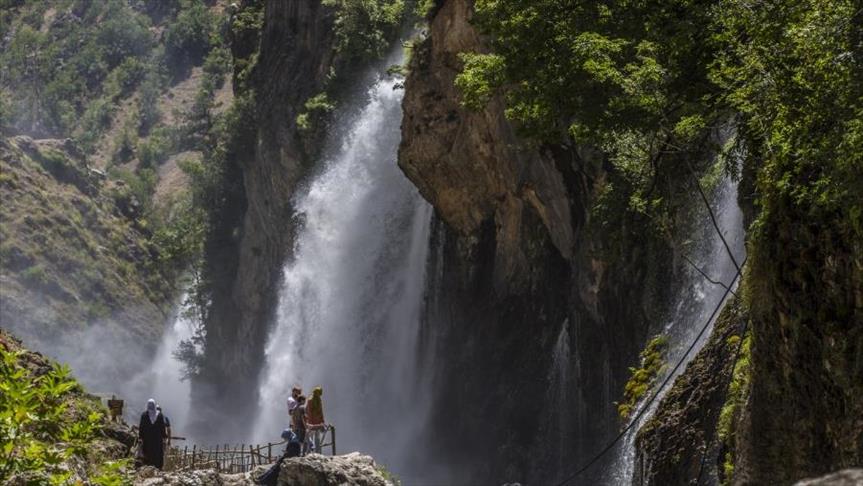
x=238, y=458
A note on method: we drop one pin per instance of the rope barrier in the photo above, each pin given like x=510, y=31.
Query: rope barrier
x=728, y=289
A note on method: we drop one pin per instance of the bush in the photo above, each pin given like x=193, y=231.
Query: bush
x=642, y=379
x=365, y=28
x=124, y=78
x=189, y=38
x=35, y=275
x=39, y=433
x=148, y=102
x=154, y=150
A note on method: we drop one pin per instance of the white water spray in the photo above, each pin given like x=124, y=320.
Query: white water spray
x=162, y=379
x=349, y=312
x=169, y=389
x=693, y=306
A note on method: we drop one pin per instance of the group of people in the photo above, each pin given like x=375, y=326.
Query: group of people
x=307, y=426
x=154, y=435
x=306, y=433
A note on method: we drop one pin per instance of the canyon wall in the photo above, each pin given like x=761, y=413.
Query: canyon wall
x=533, y=315
x=283, y=64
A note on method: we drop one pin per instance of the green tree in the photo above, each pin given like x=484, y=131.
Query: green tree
x=189, y=37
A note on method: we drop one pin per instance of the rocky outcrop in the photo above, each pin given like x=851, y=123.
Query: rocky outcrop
x=679, y=443
x=846, y=477
x=803, y=417
x=532, y=316
x=150, y=476
x=352, y=469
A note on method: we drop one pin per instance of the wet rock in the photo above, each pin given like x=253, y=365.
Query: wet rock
x=318, y=470
x=846, y=477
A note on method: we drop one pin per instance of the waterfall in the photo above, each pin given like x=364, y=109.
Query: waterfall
x=693, y=305
x=162, y=379
x=559, y=395
x=168, y=387
x=348, y=317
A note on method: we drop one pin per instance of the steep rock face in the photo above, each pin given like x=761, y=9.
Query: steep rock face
x=683, y=430
x=248, y=248
x=805, y=415
x=523, y=311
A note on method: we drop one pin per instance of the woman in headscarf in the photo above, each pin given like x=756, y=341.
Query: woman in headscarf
x=152, y=432
x=315, y=419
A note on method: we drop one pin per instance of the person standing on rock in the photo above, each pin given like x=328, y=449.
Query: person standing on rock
x=152, y=432
x=167, y=426
x=292, y=400
x=298, y=422
x=315, y=419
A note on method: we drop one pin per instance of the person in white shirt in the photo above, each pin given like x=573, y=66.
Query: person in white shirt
x=292, y=400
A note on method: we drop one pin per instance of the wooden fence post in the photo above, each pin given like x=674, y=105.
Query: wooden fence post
x=194, y=448
x=269, y=452
x=333, y=432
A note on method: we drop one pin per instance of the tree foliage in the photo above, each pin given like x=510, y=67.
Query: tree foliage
x=56, y=74
x=652, y=82
x=365, y=28
x=39, y=433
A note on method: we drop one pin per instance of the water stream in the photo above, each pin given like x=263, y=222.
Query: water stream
x=348, y=318
x=693, y=307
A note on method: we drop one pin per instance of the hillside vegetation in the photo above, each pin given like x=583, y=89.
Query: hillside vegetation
x=51, y=431
x=105, y=108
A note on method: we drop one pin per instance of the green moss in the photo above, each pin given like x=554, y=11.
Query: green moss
x=737, y=391
x=35, y=275
x=388, y=475
x=643, y=378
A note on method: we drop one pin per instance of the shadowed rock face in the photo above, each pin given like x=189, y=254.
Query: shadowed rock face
x=246, y=251
x=516, y=273
x=672, y=443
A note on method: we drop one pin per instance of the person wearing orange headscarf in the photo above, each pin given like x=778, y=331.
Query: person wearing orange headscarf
x=315, y=419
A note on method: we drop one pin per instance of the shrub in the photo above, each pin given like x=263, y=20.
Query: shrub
x=364, y=28
x=189, y=38
x=40, y=432
x=154, y=150
x=148, y=102
x=643, y=378
x=35, y=275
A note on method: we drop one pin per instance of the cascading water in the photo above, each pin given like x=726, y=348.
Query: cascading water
x=163, y=379
x=349, y=312
x=169, y=388
x=694, y=305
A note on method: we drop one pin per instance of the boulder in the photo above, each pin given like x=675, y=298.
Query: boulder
x=317, y=470
x=150, y=476
x=845, y=477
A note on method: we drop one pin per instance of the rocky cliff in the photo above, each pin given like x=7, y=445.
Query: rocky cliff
x=536, y=309
x=285, y=62
x=286, y=54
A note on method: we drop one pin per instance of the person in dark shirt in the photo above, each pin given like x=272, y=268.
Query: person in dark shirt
x=298, y=422
x=167, y=425
x=152, y=433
